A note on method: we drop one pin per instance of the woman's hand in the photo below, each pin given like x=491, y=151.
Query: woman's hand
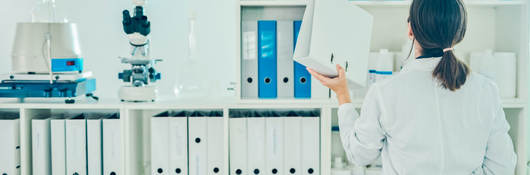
x=339, y=84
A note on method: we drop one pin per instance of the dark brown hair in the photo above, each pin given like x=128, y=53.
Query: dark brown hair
x=440, y=24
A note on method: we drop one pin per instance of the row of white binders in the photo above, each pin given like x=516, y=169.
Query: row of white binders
x=9, y=144
x=267, y=67
x=274, y=142
x=187, y=142
x=260, y=142
x=85, y=144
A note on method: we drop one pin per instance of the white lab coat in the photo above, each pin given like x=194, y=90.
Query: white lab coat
x=419, y=128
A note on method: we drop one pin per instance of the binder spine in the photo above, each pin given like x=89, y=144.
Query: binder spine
x=267, y=60
x=302, y=78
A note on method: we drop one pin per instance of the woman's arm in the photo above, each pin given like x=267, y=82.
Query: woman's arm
x=362, y=136
x=500, y=157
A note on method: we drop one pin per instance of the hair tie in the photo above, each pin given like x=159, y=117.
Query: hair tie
x=448, y=49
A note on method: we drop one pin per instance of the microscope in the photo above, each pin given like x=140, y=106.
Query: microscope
x=142, y=74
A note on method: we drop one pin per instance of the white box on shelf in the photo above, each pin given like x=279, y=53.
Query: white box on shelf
x=76, y=156
x=178, y=145
x=256, y=144
x=40, y=133
x=216, y=145
x=9, y=146
x=198, y=145
x=238, y=146
x=58, y=146
x=112, y=147
x=160, y=144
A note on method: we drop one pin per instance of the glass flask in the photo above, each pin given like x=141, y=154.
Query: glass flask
x=45, y=11
x=190, y=82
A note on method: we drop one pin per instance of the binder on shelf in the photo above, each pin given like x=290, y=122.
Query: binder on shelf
x=76, y=146
x=292, y=144
x=198, y=145
x=94, y=147
x=40, y=135
x=267, y=60
x=178, y=145
x=160, y=144
x=310, y=145
x=238, y=145
x=215, y=145
x=10, y=145
x=249, y=59
x=302, y=78
x=112, y=153
x=285, y=61
x=256, y=145
x=325, y=41
x=58, y=146
x=274, y=138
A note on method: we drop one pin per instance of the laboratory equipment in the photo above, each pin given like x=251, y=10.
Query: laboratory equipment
x=142, y=72
x=44, y=11
x=47, y=62
x=190, y=83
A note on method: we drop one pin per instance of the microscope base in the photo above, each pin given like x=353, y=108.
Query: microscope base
x=138, y=94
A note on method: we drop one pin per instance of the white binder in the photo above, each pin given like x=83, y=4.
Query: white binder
x=292, y=145
x=249, y=59
x=198, y=145
x=9, y=146
x=160, y=145
x=238, y=146
x=112, y=158
x=310, y=146
x=274, y=134
x=94, y=146
x=40, y=134
x=325, y=40
x=58, y=146
x=178, y=145
x=76, y=147
x=285, y=62
x=256, y=145
x=215, y=145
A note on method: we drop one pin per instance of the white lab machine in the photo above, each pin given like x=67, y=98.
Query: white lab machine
x=47, y=62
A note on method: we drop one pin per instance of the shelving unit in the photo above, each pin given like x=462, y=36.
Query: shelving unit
x=499, y=25
x=135, y=123
x=487, y=18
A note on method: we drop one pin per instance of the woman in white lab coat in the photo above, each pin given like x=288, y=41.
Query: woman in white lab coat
x=436, y=116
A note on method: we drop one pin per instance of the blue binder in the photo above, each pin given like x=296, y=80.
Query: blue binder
x=267, y=60
x=302, y=78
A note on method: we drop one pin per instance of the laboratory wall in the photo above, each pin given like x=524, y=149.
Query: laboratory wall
x=103, y=40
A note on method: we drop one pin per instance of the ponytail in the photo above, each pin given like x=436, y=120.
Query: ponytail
x=451, y=72
x=438, y=25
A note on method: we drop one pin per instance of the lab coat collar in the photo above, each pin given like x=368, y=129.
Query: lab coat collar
x=424, y=64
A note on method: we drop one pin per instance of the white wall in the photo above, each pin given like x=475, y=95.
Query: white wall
x=103, y=40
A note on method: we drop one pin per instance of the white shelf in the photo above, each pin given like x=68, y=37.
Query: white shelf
x=381, y=3
x=194, y=104
x=471, y=3
x=273, y=3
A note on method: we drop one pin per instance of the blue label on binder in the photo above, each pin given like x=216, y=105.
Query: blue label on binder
x=302, y=78
x=267, y=60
